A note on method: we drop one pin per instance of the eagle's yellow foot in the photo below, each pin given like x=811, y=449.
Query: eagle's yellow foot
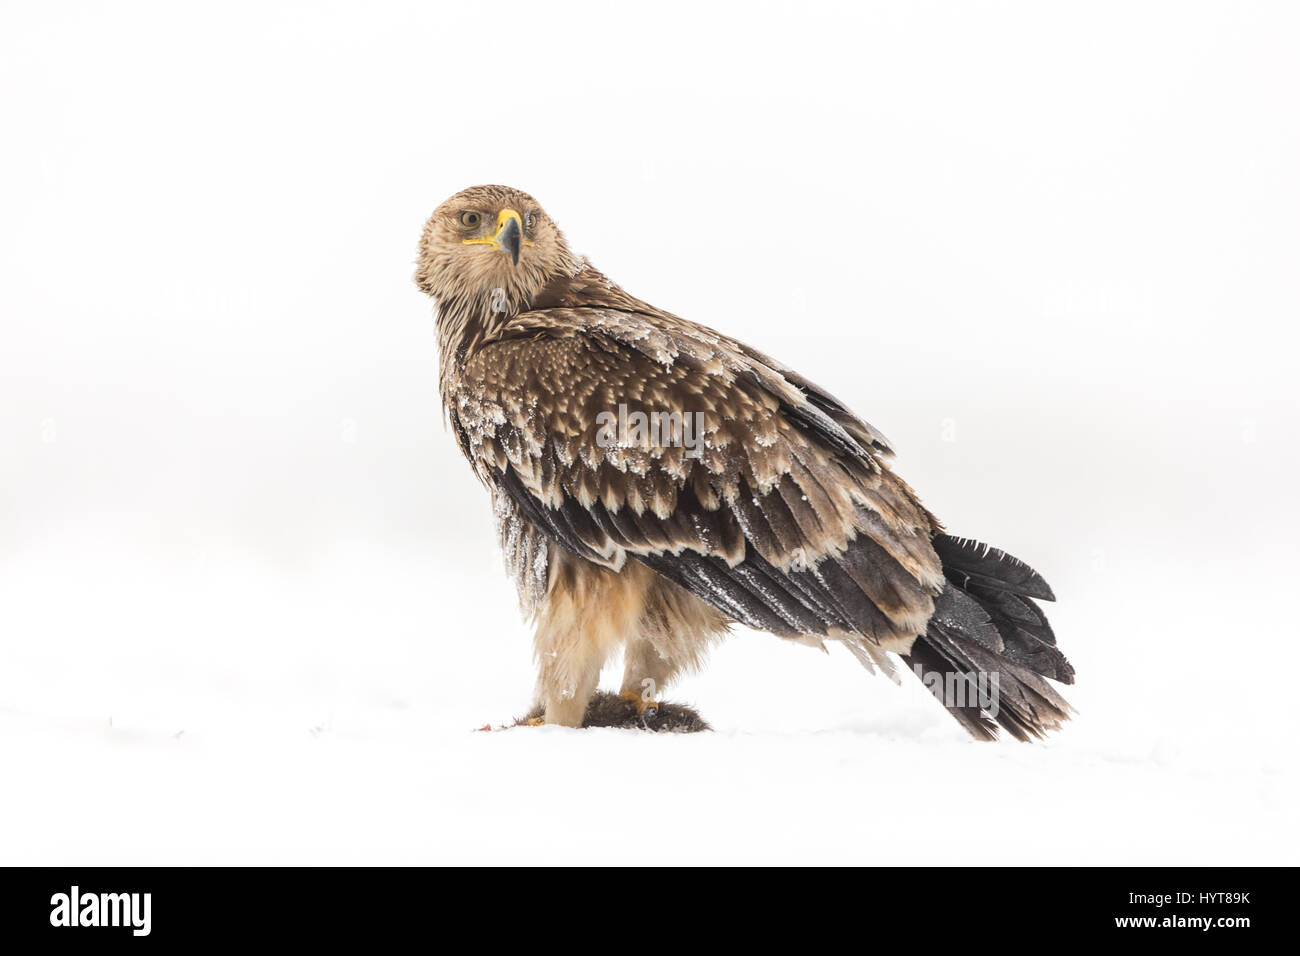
x=642, y=705
x=534, y=721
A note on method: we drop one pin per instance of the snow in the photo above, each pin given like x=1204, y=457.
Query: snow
x=232, y=712
x=251, y=605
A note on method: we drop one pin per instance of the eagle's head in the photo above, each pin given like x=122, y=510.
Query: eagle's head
x=493, y=246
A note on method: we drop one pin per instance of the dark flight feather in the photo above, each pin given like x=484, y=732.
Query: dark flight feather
x=966, y=560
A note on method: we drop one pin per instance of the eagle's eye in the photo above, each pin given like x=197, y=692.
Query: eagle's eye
x=470, y=219
x=530, y=220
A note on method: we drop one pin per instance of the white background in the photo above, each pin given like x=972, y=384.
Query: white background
x=250, y=602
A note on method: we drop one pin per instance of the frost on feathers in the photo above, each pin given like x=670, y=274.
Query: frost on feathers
x=525, y=553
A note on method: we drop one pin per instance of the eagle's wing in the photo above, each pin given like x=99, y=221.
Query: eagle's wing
x=774, y=505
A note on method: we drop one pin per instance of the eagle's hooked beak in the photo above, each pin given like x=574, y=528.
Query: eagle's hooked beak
x=509, y=236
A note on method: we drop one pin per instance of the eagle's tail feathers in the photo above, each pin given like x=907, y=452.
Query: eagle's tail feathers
x=988, y=647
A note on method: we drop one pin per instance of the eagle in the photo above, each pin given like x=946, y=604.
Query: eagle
x=656, y=482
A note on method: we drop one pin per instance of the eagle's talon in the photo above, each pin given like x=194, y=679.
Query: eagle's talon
x=644, y=707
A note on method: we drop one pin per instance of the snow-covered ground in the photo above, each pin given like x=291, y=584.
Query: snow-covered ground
x=250, y=606
x=226, y=711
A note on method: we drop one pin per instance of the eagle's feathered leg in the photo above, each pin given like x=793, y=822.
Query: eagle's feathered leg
x=672, y=636
x=586, y=613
